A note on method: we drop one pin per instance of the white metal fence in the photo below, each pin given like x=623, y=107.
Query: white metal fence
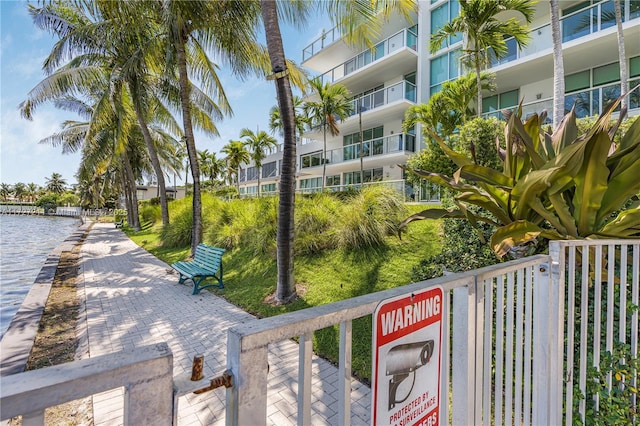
x=517, y=339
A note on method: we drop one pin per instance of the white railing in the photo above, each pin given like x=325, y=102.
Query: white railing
x=404, y=38
x=146, y=374
x=467, y=366
x=384, y=96
x=326, y=39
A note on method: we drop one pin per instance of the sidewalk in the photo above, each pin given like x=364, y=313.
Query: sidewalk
x=132, y=301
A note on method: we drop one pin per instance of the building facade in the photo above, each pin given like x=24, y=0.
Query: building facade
x=400, y=71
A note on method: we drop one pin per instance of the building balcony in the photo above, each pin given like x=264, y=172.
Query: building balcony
x=326, y=39
x=588, y=102
x=573, y=26
x=394, y=144
x=389, y=58
x=403, y=90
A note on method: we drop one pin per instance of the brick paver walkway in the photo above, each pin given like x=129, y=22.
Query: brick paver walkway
x=132, y=301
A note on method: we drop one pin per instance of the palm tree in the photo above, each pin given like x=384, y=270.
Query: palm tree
x=55, y=183
x=5, y=190
x=204, y=163
x=357, y=19
x=301, y=120
x=334, y=104
x=105, y=56
x=236, y=154
x=622, y=54
x=450, y=107
x=558, y=64
x=19, y=191
x=32, y=191
x=484, y=32
x=258, y=143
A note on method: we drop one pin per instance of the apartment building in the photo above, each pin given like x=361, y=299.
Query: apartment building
x=400, y=71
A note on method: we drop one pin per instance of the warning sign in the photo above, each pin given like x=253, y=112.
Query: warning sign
x=406, y=359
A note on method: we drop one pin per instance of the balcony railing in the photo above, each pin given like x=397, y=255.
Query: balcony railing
x=391, y=144
x=327, y=38
x=405, y=38
x=387, y=95
x=588, y=102
x=574, y=25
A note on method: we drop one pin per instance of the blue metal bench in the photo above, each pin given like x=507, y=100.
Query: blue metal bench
x=207, y=262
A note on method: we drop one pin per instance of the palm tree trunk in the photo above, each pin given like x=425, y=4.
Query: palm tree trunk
x=558, y=65
x=324, y=156
x=131, y=187
x=155, y=161
x=284, y=237
x=624, y=74
x=259, y=172
x=185, y=100
x=361, y=143
x=479, y=83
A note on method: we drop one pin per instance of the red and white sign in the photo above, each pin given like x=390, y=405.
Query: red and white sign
x=407, y=339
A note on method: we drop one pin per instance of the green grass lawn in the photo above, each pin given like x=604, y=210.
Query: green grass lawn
x=322, y=278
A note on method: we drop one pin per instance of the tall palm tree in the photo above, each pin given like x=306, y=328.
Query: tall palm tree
x=56, y=183
x=236, y=154
x=104, y=51
x=258, y=143
x=357, y=19
x=484, y=32
x=32, y=191
x=301, y=120
x=558, y=64
x=622, y=54
x=204, y=163
x=333, y=105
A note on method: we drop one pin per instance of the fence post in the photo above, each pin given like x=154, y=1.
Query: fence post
x=556, y=332
x=463, y=355
x=247, y=398
x=548, y=302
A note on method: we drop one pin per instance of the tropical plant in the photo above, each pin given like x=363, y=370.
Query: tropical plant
x=484, y=32
x=237, y=154
x=557, y=186
x=32, y=191
x=258, y=143
x=301, y=120
x=19, y=191
x=451, y=106
x=333, y=104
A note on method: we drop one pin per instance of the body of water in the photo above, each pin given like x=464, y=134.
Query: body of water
x=25, y=244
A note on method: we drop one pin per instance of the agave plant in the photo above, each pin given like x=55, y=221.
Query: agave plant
x=553, y=186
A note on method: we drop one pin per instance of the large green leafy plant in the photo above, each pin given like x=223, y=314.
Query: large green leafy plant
x=553, y=186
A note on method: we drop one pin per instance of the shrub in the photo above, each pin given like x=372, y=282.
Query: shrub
x=314, y=223
x=150, y=212
x=178, y=232
x=374, y=213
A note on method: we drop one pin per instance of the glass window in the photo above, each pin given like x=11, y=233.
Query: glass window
x=243, y=175
x=577, y=81
x=578, y=24
x=508, y=99
x=269, y=169
x=439, y=17
x=490, y=104
x=269, y=187
x=634, y=67
x=454, y=63
x=333, y=180
x=454, y=11
x=606, y=74
x=439, y=71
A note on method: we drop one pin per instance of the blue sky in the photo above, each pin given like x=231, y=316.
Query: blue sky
x=23, y=48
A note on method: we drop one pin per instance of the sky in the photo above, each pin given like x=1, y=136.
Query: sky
x=23, y=48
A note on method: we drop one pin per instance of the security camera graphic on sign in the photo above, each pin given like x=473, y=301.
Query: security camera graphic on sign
x=403, y=361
